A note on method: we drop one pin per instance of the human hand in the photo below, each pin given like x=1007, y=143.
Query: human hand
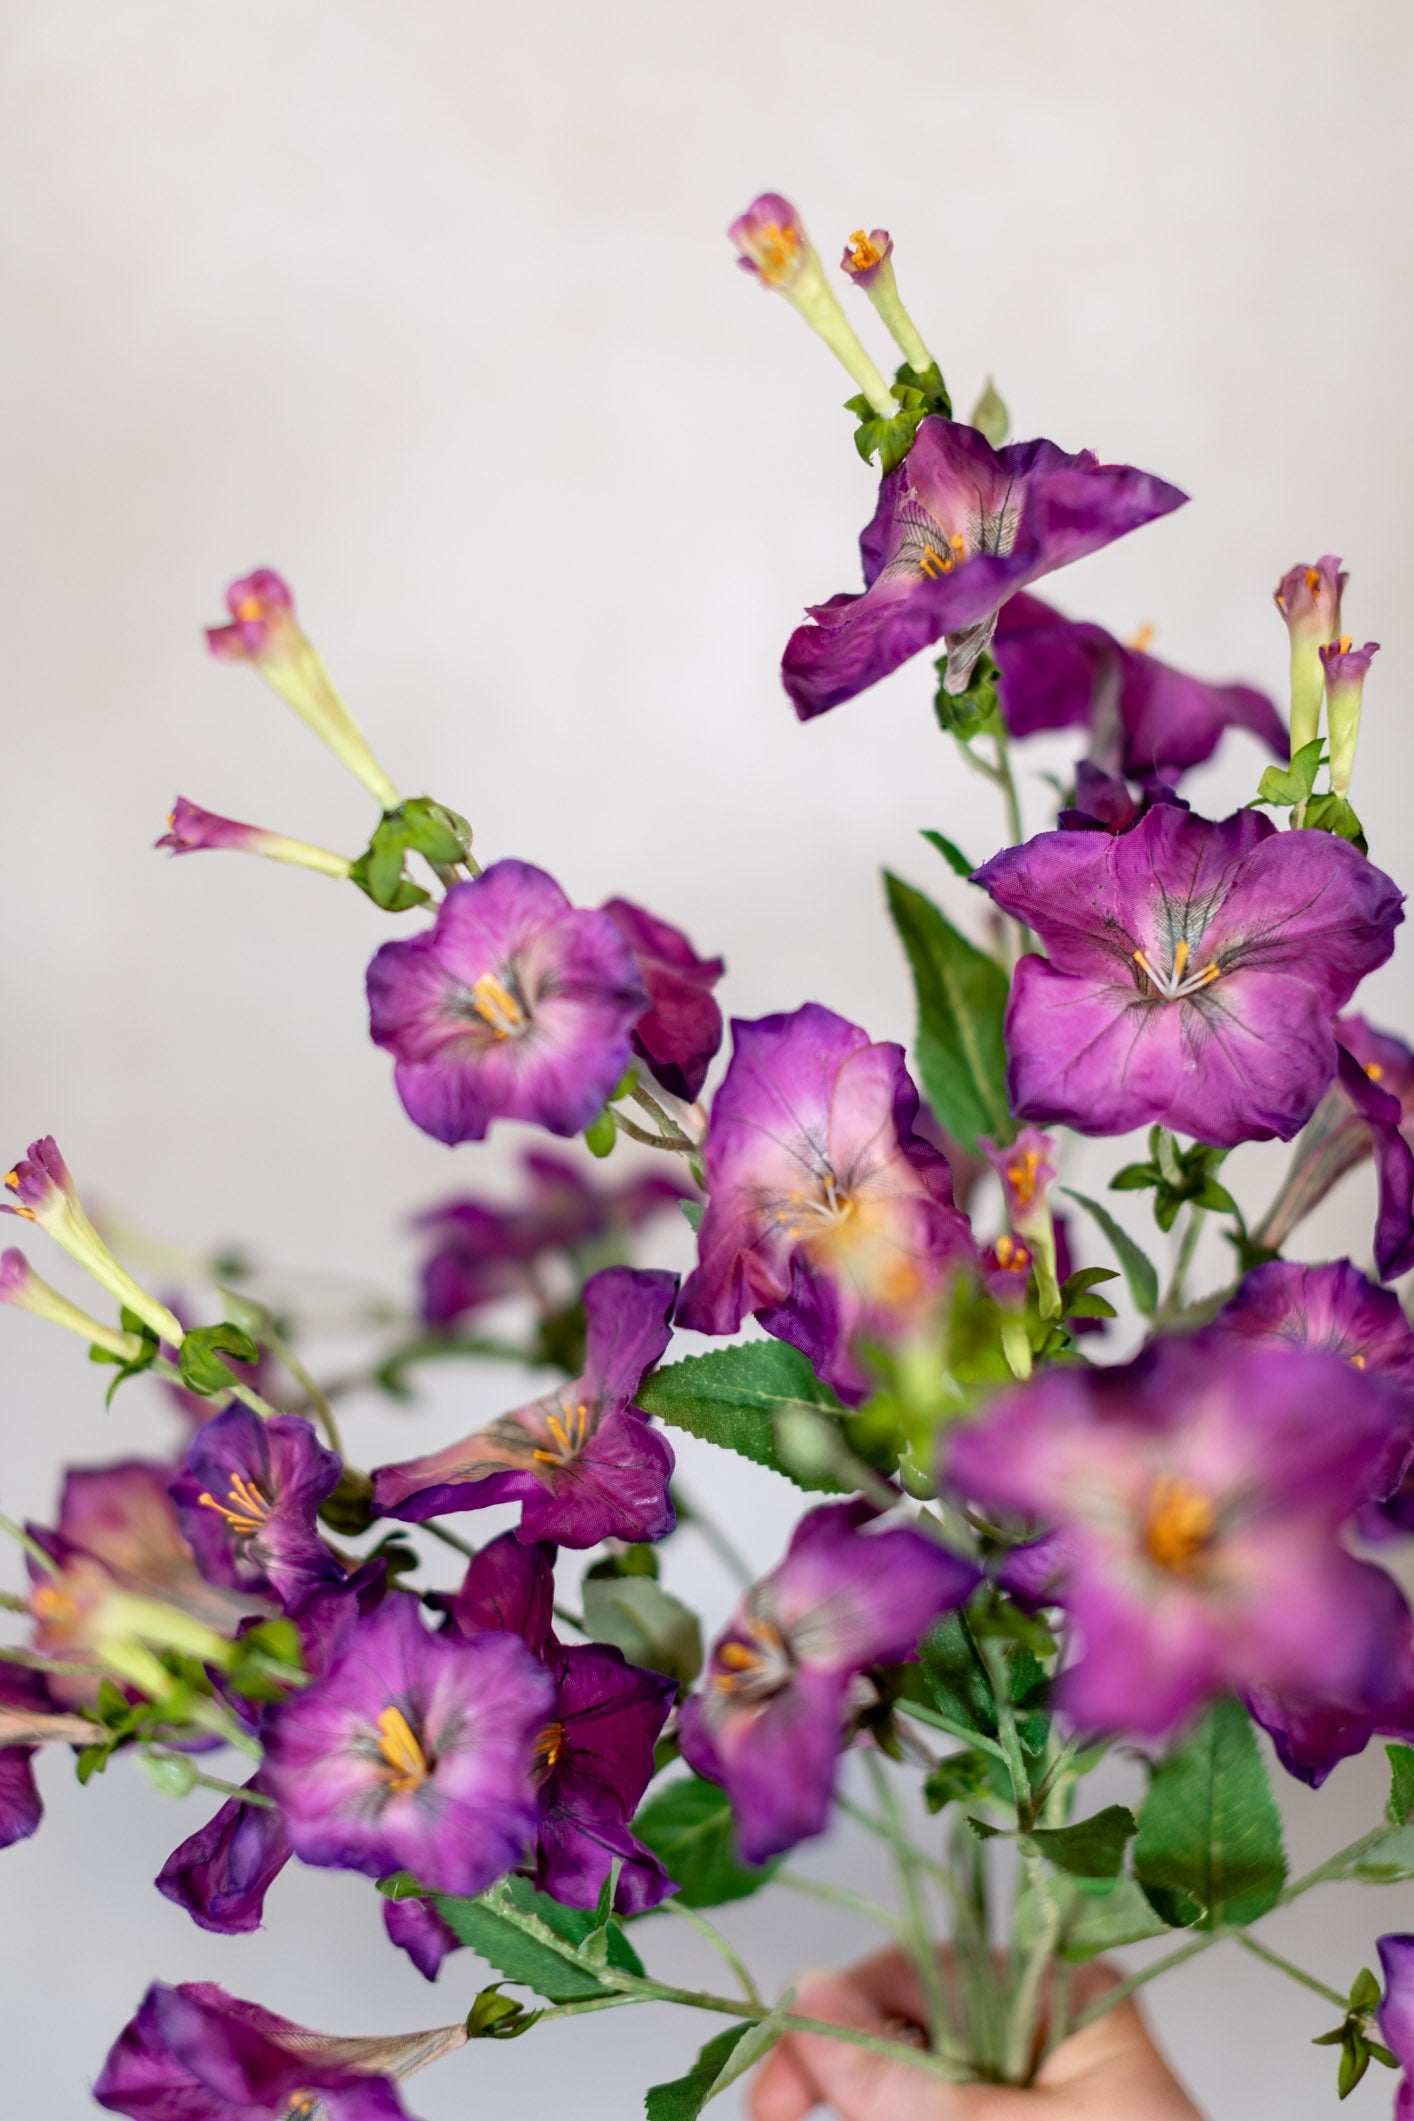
x=1110, y=2071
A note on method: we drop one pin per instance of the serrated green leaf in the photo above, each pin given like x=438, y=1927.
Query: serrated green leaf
x=952, y=854
x=575, y=1924
x=684, y=2098
x=690, y=1829
x=1401, y=1786
x=541, y=1963
x=731, y=1397
x=1090, y=1848
x=1139, y=1269
x=957, y=1677
x=962, y=997
x=655, y=1631
x=1209, y=1849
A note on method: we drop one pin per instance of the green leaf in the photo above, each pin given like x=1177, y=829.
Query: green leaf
x=637, y=1560
x=543, y=1963
x=962, y=996
x=1401, y=1791
x=1364, y=1991
x=1091, y=1848
x=1210, y=1849
x=891, y=438
x=957, y=1677
x=732, y=1396
x=952, y=854
x=1354, y=2061
x=199, y=1357
x=1282, y=788
x=1332, y=813
x=929, y=384
x=690, y=1829
x=957, y=1780
x=693, y=1211
x=575, y=1924
x=1389, y=1862
x=974, y=711
x=684, y=2098
x=990, y=416
x=654, y=1630
x=432, y=830
x=1092, y=1926
x=1138, y=1267
x=1134, y=1178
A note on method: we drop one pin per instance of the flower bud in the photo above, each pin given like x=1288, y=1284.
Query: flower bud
x=1345, y=669
x=45, y=1194
x=190, y=829
x=21, y=1286
x=1308, y=598
x=772, y=245
x=868, y=259
x=1027, y=1169
x=265, y=633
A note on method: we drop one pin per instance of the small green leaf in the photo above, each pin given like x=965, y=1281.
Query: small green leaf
x=975, y=710
x=732, y=1396
x=1138, y=1268
x=1364, y=1991
x=1090, y=1849
x=693, y=1210
x=690, y=1829
x=432, y=830
x=1389, y=1862
x=1209, y=1850
x=956, y=1780
x=1401, y=1790
x=952, y=854
x=962, y=997
x=654, y=1630
x=496, y=2017
x=1283, y=789
x=637, y=1560
x=199, y=1357
x=600, y=1135
x=889, y=438
x=1134, y=1178
x=990, y=416
x=1332, y=813
x=957, y=1677
x=1354, y=2061
x=542, y=1955
x=684, y=2098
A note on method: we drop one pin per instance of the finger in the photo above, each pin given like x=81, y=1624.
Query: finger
x=859, y=2084
x=781, y=2091
x=888, y=1981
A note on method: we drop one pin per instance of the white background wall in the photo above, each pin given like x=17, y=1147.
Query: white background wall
x=429, y=305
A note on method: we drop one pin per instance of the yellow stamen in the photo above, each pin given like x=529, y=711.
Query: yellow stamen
x=399, y=1747
x=1374, y=1070
x=497, y=1006
x=549, y=1745
x=862, y=253
x=48, y=1604
x=1343, y=644
x=250, y=608
x=1313, y=579
x=934, y=563
x=249, y=1508
x=1357, y=1362
x=1021, y=1176
x=1181, y=955
x=1180, y=1522
x=1143, y=639
x=775, y=250
x=570, y=1432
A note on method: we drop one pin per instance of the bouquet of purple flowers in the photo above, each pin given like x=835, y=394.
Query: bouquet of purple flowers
x=1018, y=1557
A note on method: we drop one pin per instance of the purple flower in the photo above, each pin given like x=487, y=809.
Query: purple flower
x=247, y=1498
x=828, y=1217
x=1194, y=972
x=483, y=1252
x=594, y=1758
x=191, y=830
x=683, y=1025
x=263, y=627
x=1308, y=598
x=513, y=1005
x=1146, y=717
x=222, y=1872
x=958, y=529
x=26, y=1710
x=1103, y=802
x=865, y=255
x=1314, y=1732
x=416, y=1928
x=1199, y=1493
x=1331, y=1307
x=770, y=241
x=1346, y=669
x=776, y=1707
x=1376, y=1083
x=43, y=1192
x=1397, y=2016
x=413, y=1752
x=194, y=2053
x=583, y=1461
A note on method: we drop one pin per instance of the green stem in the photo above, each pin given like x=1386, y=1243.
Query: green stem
x=917, y=1930
x=448, y=1539
x=1026, y=1995
x=1125, y=1989
x=1293, y=1973
x=1334, y=1866
x=673, y=1133
x=733, y=1562
x=722, y=1945
x=841, y=1897
x=994, y=1658
x=1006, y=781
x=12, y=1602
x=312, y=1390
x=939, y=1722
x=636, y=1133
x=253, y=1400
x=32, y=1661
x=1188, y=1245
x=982, y=2005
x=32, y=1547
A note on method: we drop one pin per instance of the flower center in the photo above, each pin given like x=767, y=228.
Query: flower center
x=47, y=1603
x=12, y=1181
x=1021, y=1177
x=250, y=608
x=569, y=1430
x=862, y=253
x=399, y=1747
x=1177, y=985
x=1143, y=639
x=811, y=1215
x=1012, y=1255
x=499, y=1008
x=245, y=1509
x=933, y=563
x=303, y=2106
x=1179, y=1523
x=753, y=1669
x=774, y=251
x=548, y=1748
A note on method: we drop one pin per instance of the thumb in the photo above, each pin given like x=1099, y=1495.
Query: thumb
x=807, y=2069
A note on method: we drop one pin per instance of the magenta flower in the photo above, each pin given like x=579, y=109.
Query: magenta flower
x=1331, y=1307
x=415, y=1927
x=1312, y=1732
x=513, y=1005
x=1199, y=1494
x=1103, y=801
x=1146, y=717
x=682, y=1028
x=24, y=1700
x=413, y=1752
x=584, y=1462
x=828, y=1217
x=594, y=1758
x=1397, y=2016
x=42, y=1191
x=958, y=529
x=1194, y=972
x=1308, y=598
x=194, y=2053
x=192, y=830
x=483, y=1252
x=771, y=244
x=865, y=255
x=263, y=625
x=776, y=1707
x=1346, y=669
x=222, y=1872
x=247, y=1499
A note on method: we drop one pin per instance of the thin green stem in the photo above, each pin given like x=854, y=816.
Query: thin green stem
x=1188, y=1246
x=994, y=1658
x=676, y=1135
x=1293, y=1973
x=13, y=1602
x=34, y=1662
x=1026, y=1993
x=939, y=1722
x=1058, y=2017
x=1006, y=780
x=982, y=2004
x=32, y=1547
x=917, y=1930
x=236, y=1790
x=448, y=1539
x=841, y=1897
x=253, y=1400
x=722, y=1945
x=1334, y=1866
x=312, y=1389
x=636, y=1133
x=1126, y=1988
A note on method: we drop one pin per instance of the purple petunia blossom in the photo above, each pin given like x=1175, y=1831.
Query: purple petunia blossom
x=1397, y=2015
x=1200, y=1493
x=958, y=529
x=1312, y=1732
x=865, y=255
x=194, y=2053
x=828, y=1217
x=222, y=1872
x=682, y=1028
x=771, y=243
x=192, y=830
x=513, y=1005
x=482, y=1252
x=1146, y=718
x=247, y=1499
x=28, y=1719
x=1331, y=1307
x=416, y=1928
x=1193, y=975
x=777, y=1700
x=1103, y=802
x=413, y=1752
x=583, y=1461
x=1308, y=599
x=594, y=1758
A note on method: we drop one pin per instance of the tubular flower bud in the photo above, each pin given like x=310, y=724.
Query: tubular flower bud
x=44, y=1193
x=1345, y=671
x=868, y=259
x=1027, y=1169
x=773, y=246
x=1308, y=598
x=21, y=1286
x=190, y=829
x=265, y=633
